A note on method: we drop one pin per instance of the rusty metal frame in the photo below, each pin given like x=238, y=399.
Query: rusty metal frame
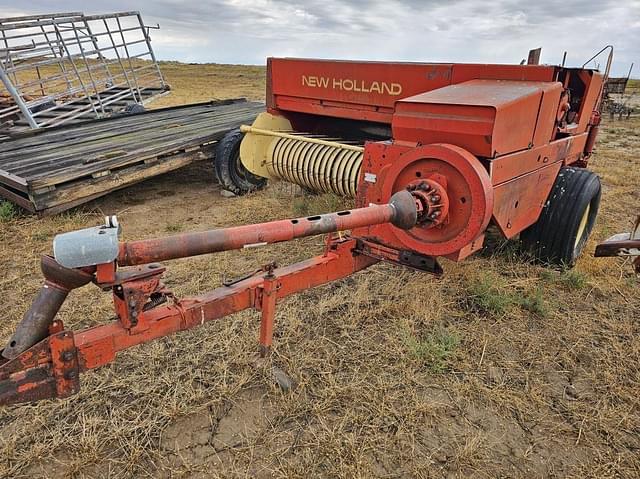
x=43, y=360
x=50, y=368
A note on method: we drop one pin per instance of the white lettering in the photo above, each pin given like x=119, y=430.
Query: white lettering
x=349, y=84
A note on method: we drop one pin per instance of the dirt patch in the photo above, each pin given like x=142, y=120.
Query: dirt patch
x=207, y=441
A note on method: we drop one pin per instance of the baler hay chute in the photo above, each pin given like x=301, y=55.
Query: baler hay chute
x=432, y=154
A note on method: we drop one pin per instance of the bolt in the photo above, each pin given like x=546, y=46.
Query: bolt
x=434, y=215
x=134, y=314
x=132, y=302
x=67, y=356
x=71, y=375
x=435, y=198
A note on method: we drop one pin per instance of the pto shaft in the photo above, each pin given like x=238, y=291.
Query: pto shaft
x=77, y=268
x=401, y=211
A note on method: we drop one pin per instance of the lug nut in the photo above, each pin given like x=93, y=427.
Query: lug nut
x=435, y=198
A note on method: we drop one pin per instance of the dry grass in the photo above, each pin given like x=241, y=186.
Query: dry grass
x=499, y=369
x=196, y=83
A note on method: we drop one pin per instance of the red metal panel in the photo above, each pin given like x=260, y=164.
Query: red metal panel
x=546, y=124
x=486, y=117
x=334, y=109
x=518, y=203
x=469, y=127
x=462, y=72
x=360, y=83
x=507, y=167
x=362, y=90
x=593, y=89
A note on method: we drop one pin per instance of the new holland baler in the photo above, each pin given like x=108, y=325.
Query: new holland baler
x=506, y=144
x=432, y=153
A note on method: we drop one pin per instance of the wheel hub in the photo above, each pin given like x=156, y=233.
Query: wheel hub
x=454, y=193
x=431, y=200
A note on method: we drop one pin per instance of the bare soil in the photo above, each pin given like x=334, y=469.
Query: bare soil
x=501, y=368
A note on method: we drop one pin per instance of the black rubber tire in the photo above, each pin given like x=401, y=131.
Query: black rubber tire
x=43, y=106
x=552, y=239
x=232, y=174
x=133, y=108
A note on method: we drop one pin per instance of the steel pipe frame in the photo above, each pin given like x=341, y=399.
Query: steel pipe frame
x=77, y=23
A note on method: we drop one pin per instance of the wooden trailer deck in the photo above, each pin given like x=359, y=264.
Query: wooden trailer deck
x=48, y=171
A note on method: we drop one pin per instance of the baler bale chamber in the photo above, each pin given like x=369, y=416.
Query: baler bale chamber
x=506, y=144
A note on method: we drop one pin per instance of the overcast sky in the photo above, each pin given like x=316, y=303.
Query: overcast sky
x=502, y=31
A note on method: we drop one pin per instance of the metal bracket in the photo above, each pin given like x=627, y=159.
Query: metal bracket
x=623, y=244
x=64, y=357
x=410, y=259
x=137, y=291
x=48, y=369
x=420, y=262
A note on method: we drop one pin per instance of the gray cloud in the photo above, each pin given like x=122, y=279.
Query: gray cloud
x=246, y=31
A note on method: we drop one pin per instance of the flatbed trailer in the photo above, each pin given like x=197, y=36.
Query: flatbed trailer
x=51, y=170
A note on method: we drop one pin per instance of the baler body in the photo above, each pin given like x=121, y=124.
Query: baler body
x=498, y=136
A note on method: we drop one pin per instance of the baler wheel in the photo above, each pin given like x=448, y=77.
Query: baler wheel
x=230, y=171
x=567, y=219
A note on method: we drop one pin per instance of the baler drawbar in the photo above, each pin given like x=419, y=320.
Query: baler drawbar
x=43, y=359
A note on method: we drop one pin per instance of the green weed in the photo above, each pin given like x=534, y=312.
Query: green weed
x=573, y=279
x=8, y=211
x=434, y=350
x=535, y=303
x=484, y=296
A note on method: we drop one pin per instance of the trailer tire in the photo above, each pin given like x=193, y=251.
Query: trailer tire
x=567, y=219
x=43, y=106
x=134, y=108
x=231, y=173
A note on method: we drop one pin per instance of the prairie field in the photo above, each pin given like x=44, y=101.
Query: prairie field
x=501, y=368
